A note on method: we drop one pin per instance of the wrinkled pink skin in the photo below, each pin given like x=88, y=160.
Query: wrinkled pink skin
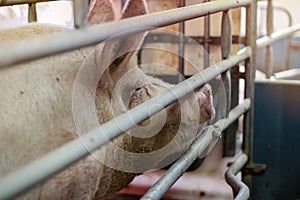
x=37, y=117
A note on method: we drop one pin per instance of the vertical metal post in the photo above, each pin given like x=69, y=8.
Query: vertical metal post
x=206, y=39
x=229, y=139
x=288, y=53
x=250, y=65
x=269, y=55
x=32, y=16
x=181, y=47
x=80, y=10
x=289, y=43
x=226, y=34
x=226, y=44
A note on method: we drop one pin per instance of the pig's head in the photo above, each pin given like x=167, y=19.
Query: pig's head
x=122, y=86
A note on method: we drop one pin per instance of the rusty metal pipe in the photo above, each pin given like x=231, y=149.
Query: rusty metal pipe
x=66, y=41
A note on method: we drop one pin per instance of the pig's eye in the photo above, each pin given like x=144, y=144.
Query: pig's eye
x=137, y=89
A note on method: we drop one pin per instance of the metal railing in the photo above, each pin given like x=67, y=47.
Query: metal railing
x=197, y=149
x=239, y=188
x=64, y=156
x=17, y=2
x=270, y=21
x=66, y=41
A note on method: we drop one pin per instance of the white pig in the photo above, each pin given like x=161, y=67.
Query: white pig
x=37, y=109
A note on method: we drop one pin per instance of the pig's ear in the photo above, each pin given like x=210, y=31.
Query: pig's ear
x=134, y=8
x=100, y=11
x=118, y=52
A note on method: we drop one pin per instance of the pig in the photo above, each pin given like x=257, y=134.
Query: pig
x=43, y=106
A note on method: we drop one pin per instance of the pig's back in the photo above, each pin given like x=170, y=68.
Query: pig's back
x=29, y=31
x=36, y=116
x=35, y=101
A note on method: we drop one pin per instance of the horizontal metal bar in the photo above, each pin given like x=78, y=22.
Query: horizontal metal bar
x=277, y=36
x=174, y=39
x=64, y=156
x=16, y=2
x=69, y=40
x=238, y=186
x=197, y=149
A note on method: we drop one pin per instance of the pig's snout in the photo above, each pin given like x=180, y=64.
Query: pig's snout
x=205, y=101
